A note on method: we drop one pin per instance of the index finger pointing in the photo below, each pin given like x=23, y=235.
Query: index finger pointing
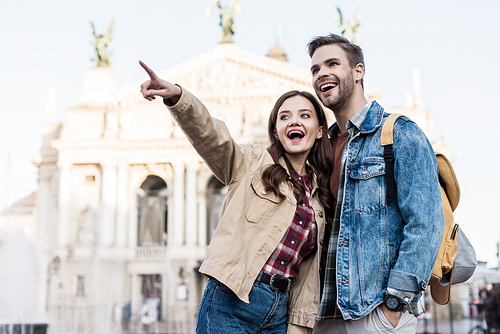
x=150, y=72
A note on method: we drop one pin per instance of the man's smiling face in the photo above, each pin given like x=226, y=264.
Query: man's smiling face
x=332, y=77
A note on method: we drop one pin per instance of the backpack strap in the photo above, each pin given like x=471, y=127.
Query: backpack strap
x=448, y=180
x=386, y=140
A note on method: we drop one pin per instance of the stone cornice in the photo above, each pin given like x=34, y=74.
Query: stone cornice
x=230, y=73
x=134, y=145
x=233, y=54
x=121, y=145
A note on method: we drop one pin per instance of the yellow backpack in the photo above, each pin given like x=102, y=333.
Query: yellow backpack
x=441, y=277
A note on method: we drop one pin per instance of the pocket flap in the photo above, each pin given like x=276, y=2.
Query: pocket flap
x=366, y=170
x=260, y=191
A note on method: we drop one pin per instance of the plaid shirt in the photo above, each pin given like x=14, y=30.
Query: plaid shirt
x=299, y=239
x=328, y=308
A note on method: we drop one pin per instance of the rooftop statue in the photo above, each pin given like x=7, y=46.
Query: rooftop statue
x=101, y=43
x=226, y=18
x=346, y=28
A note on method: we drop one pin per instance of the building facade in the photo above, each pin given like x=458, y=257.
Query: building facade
x=126, y=207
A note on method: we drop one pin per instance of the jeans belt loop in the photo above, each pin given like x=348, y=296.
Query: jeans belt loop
x=257, y=280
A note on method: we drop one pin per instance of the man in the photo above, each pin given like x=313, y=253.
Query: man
x=380, y=254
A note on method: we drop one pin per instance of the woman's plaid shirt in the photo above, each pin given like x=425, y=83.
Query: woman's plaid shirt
x=300, y=238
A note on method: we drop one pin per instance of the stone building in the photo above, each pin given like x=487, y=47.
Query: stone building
x=126, y=207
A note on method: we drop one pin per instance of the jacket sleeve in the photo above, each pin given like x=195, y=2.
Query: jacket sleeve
x=421, y=207
x=210, y=137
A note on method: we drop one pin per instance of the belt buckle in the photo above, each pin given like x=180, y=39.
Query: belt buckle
x=271, y=282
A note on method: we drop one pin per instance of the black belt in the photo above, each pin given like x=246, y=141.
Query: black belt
x=276, y=281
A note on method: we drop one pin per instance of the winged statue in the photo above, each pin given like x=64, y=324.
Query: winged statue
x=226, y=18
x=101, y=43
x=348, y=29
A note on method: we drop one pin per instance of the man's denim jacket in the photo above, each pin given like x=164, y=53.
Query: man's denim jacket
x=384, y=244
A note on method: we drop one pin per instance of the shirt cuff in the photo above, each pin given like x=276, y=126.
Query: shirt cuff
x=169, y=103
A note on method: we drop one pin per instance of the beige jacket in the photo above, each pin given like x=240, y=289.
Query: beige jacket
x=253, y=221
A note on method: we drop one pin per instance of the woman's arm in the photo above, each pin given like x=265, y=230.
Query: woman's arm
x=209, y=136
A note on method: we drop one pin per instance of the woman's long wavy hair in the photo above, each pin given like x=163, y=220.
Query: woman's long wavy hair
x=319, y=158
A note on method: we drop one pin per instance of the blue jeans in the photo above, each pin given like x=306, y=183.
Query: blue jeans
x=222, y=312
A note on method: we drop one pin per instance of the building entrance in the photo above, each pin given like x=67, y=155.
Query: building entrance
x=151, y=295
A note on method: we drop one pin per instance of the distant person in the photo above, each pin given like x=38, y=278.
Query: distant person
x=117, y=317
x=145, y=316
x=380, y=254
x=126, y=315
x=263, y=259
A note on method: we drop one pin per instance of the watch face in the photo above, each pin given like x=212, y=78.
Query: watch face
x=392, y=302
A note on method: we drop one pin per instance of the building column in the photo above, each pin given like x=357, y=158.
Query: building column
x=42, y=207
x=177, y=224
x=122, y=206
x=108, y=204
x=191, y=204
x=135, y=293
x=202, y=215
x=64, y=203
x=42, y=244
x=164, y=296
x=170, y=217
x=132, y=221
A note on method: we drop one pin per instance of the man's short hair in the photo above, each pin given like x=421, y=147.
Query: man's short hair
x=353, y=52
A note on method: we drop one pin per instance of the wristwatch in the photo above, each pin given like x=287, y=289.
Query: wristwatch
x=394, y=303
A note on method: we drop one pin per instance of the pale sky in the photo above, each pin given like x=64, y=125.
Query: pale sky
x=454, y=43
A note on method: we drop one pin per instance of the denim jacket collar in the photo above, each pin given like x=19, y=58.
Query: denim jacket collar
x=372, y=122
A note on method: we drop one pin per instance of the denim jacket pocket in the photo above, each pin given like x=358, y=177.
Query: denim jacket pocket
x=259, y=203
x=369, y=184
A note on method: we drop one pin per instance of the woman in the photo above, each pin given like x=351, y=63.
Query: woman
x=263, y=260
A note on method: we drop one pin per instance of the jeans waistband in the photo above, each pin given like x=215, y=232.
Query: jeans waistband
x=276, y=281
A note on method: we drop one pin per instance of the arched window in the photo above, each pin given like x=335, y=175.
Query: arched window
x=216, y=192
x=152, y=211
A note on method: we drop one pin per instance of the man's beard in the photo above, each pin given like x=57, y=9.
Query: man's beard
x=345, y=92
